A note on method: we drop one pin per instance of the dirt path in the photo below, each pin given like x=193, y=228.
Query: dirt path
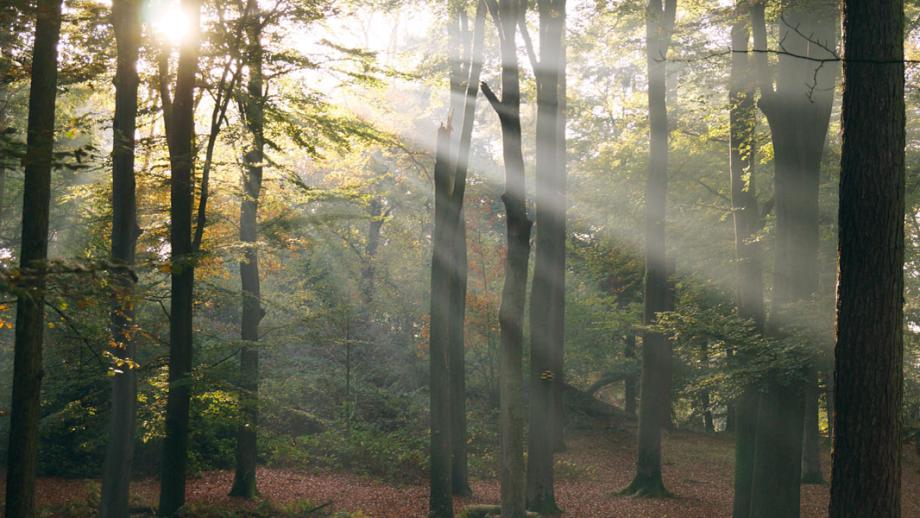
x=697, y=469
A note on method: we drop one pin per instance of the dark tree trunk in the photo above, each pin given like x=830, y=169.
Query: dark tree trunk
x=182, y=158
x=558, y=358
x=440, y=496
x=798, y=115
x=460, y=480
x=368, y=272
x=244, y=482
x=547, y=300
x=708, y=425
x=116, y=473
x=655, y=400
x=514, y=291
x=866, y=477
x=631, y=382
x=747, y=223
x=22, y=453
x=459, y=272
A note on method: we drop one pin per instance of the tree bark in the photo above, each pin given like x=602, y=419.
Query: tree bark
x=180, y=137
x=116, y=474
x=798, y=112
x=655, y=401
x=866, y=477
x=244, y=483
x=514, y=291
x=440, y=495
x=547, y=298
x=22, y=453
x=459, y=272
x=747, y=224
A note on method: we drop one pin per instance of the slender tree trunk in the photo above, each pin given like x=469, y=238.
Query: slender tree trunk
x=558, y=419
x=22, y=453
x=631, y=382
x=368, y=272
x=116, y=474
x=244, y=482
x=705, y=400
x=747, y=223
x=655, y=401
x=811, y=445
x=547, y=300
x=866, y=478
x=440, y=499
x=459, y=273
x=514, y=291
x=181, y=132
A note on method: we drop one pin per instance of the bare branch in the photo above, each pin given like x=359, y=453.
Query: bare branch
x=491, y=97
x=528, y=43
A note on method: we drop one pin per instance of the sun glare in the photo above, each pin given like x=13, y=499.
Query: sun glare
x=169, y=21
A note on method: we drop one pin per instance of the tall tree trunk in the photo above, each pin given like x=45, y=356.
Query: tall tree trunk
x=440, y=496
x=558, y=357
x=244, y=483
x=798, y=116
x=460, y=479
x=459, y=272
x=866, y=477
x=655, y=401
x=181, y=132
x=22, y=453
x=514, y=291
x=747, y=224
x=547, y=300
x=116, y=474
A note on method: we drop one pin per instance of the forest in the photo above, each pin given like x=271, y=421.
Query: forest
x=466, y=258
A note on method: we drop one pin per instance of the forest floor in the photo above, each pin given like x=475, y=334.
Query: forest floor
x=598, y=462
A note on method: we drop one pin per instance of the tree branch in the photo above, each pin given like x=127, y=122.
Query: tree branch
x=528, y=43
x=491, y=97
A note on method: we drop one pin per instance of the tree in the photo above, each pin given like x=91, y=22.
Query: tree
x=440, y=494
x=244, y=481
x=866, y=475
x=116, y=474
x=508, y=15
x=547, y=298
x=180, y=139
x=449, y=465
x=30, y=303
x=459, y=269
x=654, y=403
x=747, y=223
x=797, y=110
